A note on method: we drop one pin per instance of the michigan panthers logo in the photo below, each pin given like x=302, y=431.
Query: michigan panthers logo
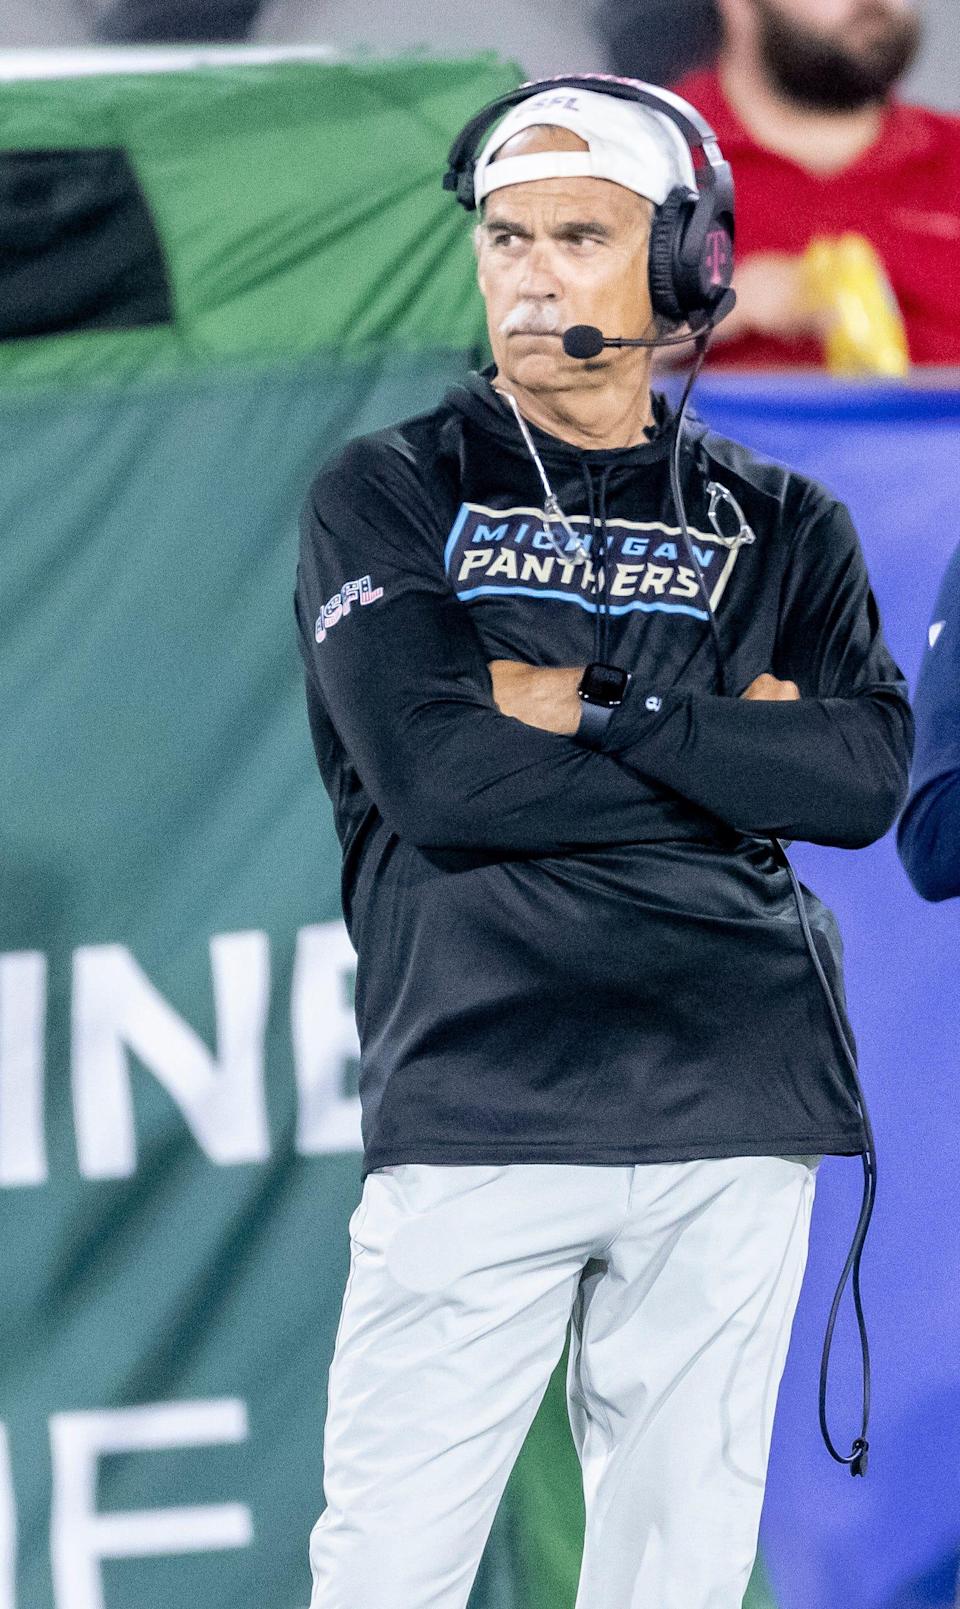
x=496, y=552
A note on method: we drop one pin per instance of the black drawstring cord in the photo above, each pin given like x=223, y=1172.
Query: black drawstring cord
x=598, y=552
x=681, y=512
x=595, y=561
x=857, y=1458
x=605, y=476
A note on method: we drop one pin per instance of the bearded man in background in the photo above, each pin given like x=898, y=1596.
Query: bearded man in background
x=802, y=100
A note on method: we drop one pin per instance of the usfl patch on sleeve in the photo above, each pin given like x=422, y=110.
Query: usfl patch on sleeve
x=360, y=591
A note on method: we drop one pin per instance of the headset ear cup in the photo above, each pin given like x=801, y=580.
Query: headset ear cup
x=465, y=194
x=667, y=230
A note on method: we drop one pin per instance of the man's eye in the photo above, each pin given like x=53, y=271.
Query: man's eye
x=503, y=237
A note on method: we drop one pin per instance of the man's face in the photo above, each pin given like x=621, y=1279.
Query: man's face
x=557, y=252
x=836, y=55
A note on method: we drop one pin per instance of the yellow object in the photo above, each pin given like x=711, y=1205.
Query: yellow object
x=845, y=278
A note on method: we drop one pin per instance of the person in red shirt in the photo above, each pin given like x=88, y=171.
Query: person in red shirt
x=803, y=106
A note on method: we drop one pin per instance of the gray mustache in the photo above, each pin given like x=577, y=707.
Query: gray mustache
x=532, y=318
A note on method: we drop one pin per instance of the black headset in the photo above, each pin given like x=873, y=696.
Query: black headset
x=691, y=237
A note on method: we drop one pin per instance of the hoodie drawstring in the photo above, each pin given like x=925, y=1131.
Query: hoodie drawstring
x=599, y=547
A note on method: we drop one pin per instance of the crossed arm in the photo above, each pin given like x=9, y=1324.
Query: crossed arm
x=818, y=751
x=831, y=770
x=548, y=698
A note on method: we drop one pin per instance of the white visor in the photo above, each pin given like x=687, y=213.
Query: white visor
x=631, y=144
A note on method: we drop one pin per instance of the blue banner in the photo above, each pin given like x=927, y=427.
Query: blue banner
x=891, y=1540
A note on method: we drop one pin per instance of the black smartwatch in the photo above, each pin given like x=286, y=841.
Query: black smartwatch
x=601, y=689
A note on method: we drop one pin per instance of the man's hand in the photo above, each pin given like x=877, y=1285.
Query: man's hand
x=537, y=695
x=769, y=688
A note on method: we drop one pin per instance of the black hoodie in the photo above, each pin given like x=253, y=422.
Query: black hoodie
x=567, y=955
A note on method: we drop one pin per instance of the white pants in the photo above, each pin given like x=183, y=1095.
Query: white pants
x=681, y=1280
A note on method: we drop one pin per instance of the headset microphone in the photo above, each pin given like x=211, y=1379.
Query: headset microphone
x=586, y=341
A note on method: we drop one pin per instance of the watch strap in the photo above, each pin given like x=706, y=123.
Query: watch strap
x=594, y=720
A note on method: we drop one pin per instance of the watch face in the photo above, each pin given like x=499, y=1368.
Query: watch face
x=604, y=684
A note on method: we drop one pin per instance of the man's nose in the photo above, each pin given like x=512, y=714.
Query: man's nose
x=539, y=279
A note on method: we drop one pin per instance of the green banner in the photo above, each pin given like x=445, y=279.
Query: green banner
x=298, y=206
x=179, y=1126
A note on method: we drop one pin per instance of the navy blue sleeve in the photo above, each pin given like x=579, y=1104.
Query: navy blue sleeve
x=928, y=835
x=831, y=767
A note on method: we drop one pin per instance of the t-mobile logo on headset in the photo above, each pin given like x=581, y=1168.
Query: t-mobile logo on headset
x=717, y=255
